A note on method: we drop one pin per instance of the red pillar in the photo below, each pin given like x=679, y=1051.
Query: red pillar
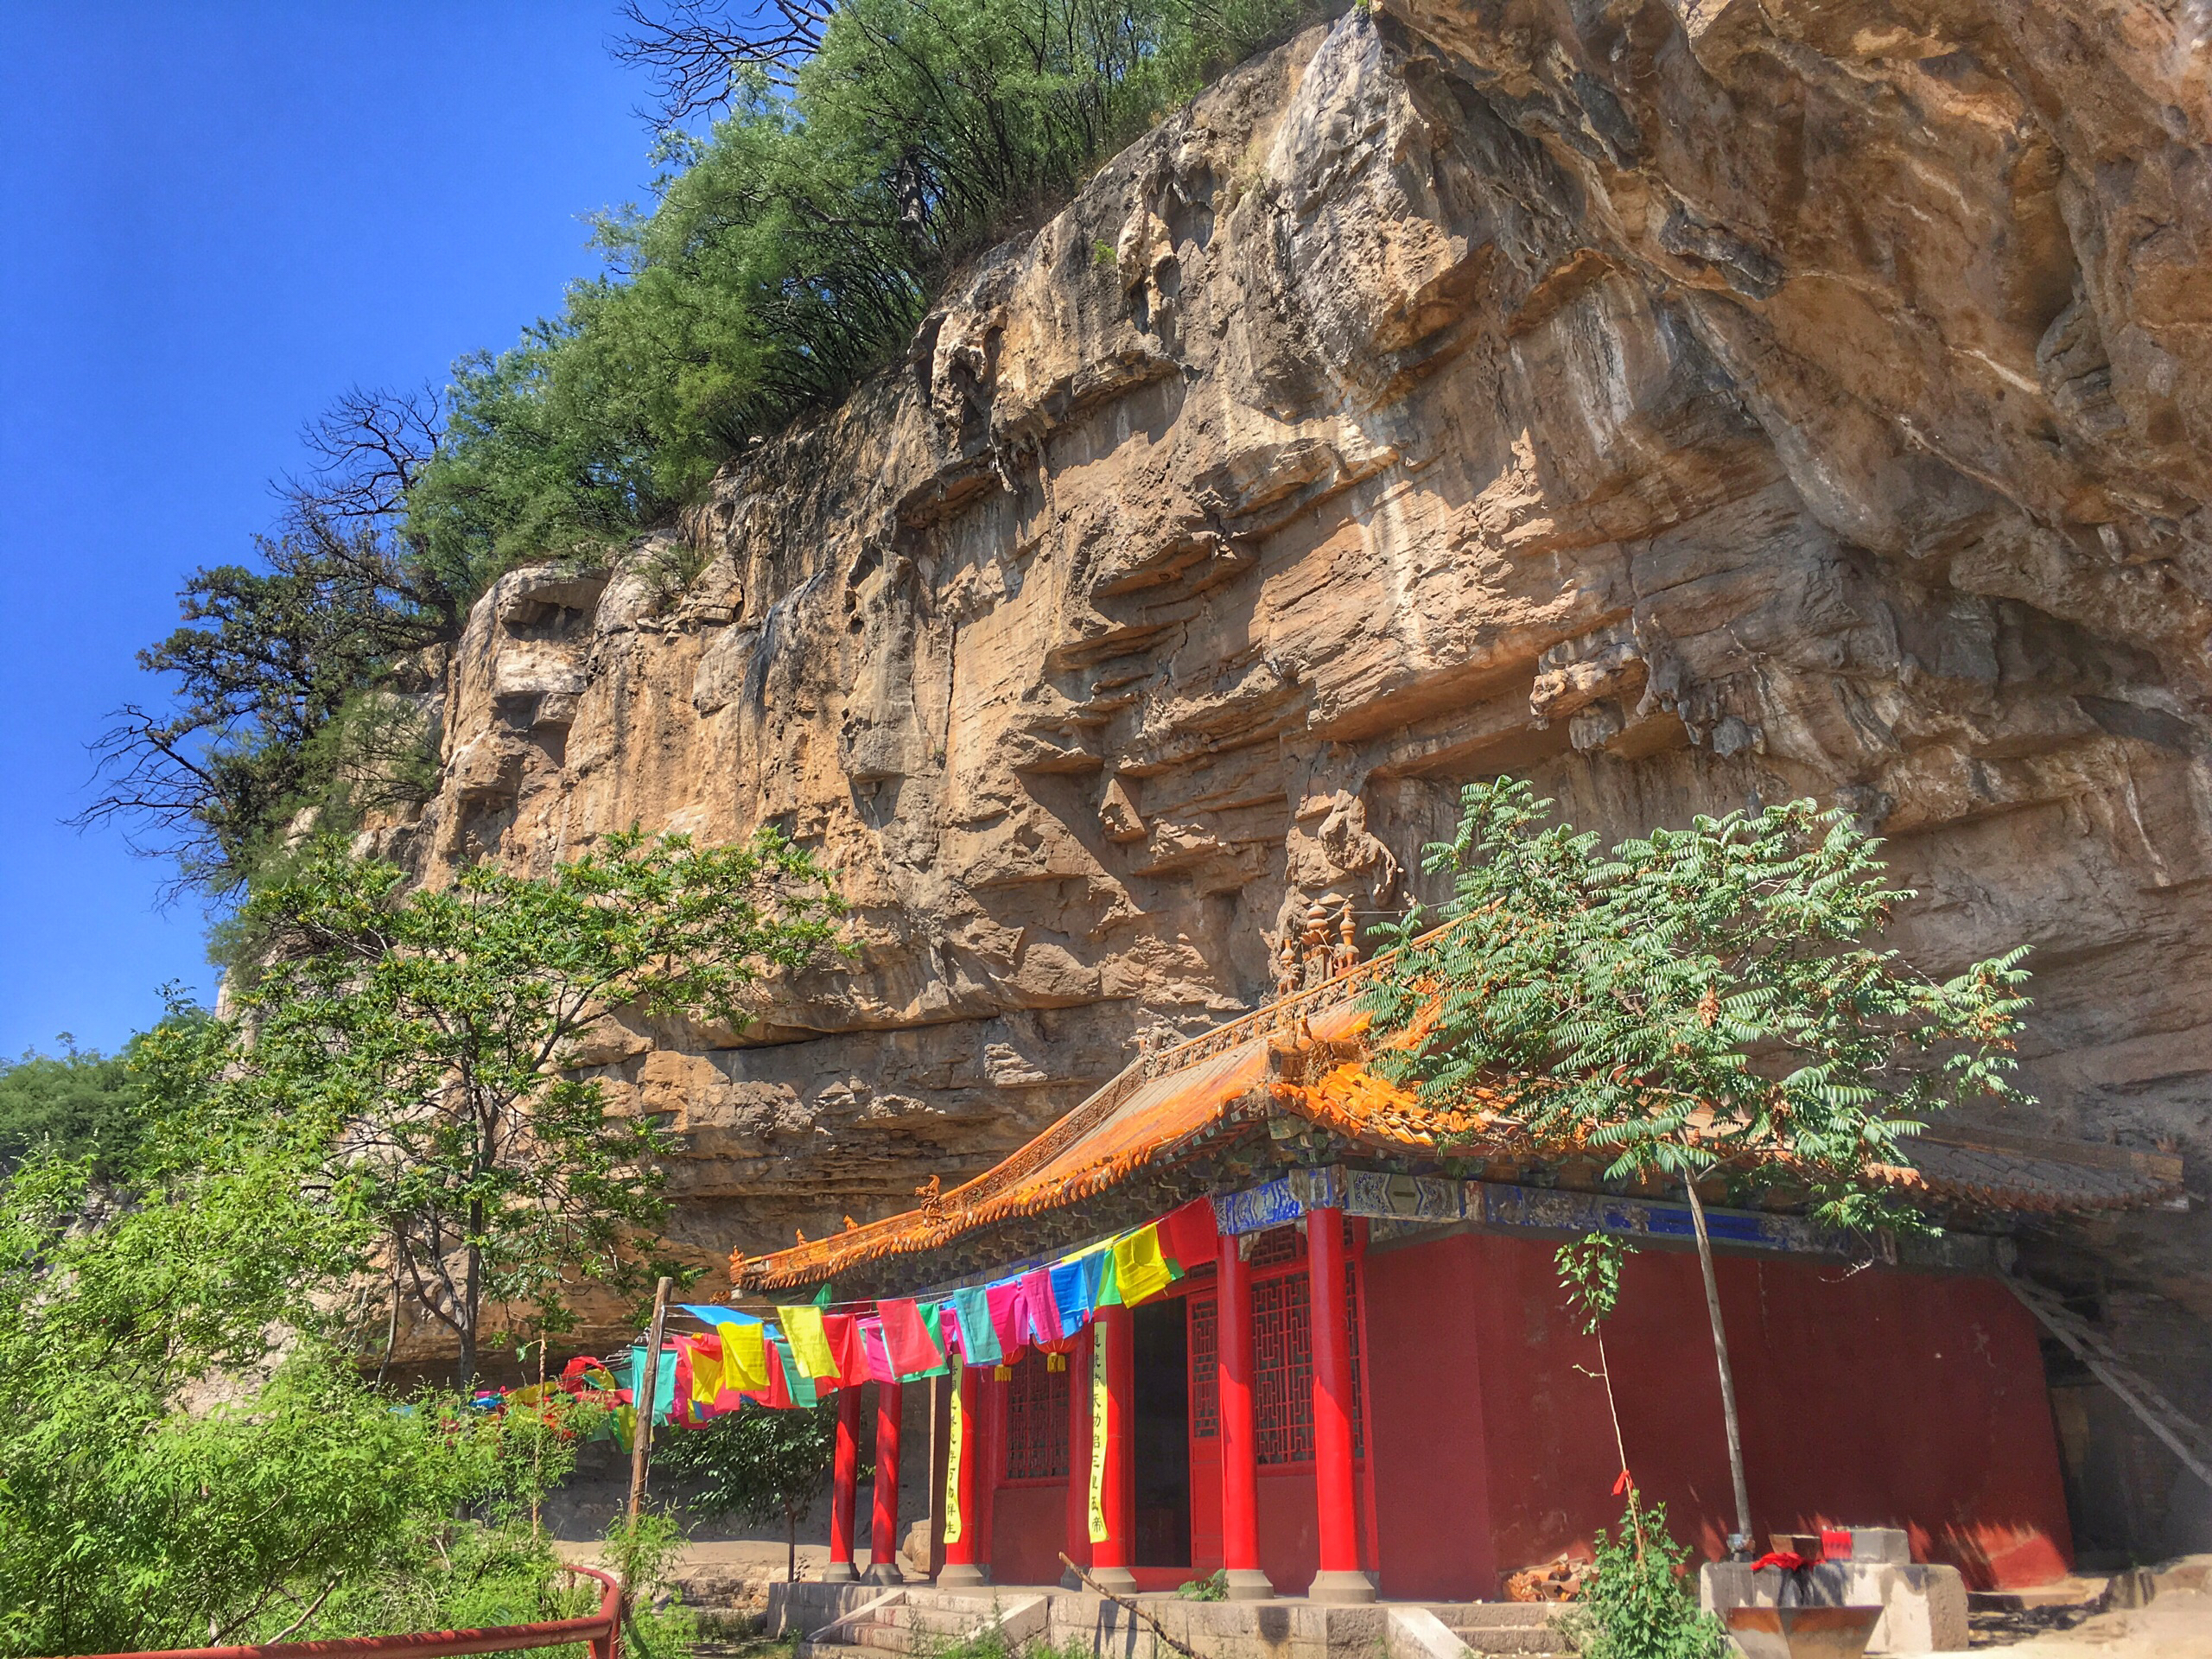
x=1112, y=1557
x=1339, y=1579
x=844, y=1488
x=962, y=1448
x=1079, y=1508
x=883, y=1540
x=1240, y=1447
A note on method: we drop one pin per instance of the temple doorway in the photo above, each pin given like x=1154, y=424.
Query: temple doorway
x=1162, y=1353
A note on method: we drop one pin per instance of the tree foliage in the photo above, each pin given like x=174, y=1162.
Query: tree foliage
x=291, y=688
x=1640, y=1602
x=866, y=152
x=1712, y=1000
x=758, y=1465
x=423, y=1037
x=187, y=1453
x=76, y=1104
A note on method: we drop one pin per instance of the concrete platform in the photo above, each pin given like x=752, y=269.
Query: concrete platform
x=836, y=1621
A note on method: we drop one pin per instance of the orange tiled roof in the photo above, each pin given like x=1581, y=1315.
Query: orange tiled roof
x=1263, y=1066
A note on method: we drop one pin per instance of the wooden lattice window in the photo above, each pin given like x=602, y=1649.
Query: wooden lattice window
x=1282, y=1367
x=1036, y=1420
x=1206, y=1378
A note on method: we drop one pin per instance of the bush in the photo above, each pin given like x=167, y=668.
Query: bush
x=1640, y=1602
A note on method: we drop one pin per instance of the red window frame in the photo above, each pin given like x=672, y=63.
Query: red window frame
x=1036, y=1423
x=1283, y=1353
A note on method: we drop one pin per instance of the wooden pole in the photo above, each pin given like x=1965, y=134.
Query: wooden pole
x=648, y=1383
x=1727, y=1373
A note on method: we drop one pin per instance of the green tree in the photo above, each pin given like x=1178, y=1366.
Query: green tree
x=77, y=1103
x=187, y=1453
x=424, y=1038
x=271, y=711
x=1638, y=1603
x=1709, y=1007
x=757, y=1464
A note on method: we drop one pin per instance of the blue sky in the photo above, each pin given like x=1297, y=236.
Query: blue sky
x=214, y=217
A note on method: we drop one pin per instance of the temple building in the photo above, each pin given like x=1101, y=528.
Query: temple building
x=1353, y=1374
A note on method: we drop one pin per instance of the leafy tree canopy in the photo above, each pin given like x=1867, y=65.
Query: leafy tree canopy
x=77, y=1104
x=757, y=1465
x=423, y=1040
x=1708, y=1000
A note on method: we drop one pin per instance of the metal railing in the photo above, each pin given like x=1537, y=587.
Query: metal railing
x=600, y=1633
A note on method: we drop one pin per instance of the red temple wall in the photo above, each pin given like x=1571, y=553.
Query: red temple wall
x=1029, y=1525
x=1872, y=1398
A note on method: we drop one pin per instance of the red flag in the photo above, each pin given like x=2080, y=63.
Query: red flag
x=907, y=1338
x=1188, y=1236
x=1623, y=1484
x=844, y=1331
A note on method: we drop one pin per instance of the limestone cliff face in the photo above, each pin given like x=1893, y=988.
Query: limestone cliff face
x=1683, y=406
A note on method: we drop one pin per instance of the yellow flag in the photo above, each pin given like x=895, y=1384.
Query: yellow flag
x=810, y=1342
x=744, y=1357
x=1139, y=1267
x=705, y=1376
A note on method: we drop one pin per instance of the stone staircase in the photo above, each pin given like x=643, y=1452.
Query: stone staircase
x=918, y=1621
x=1515, y=1627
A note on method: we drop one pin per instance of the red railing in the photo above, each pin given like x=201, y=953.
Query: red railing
x=601, y=1632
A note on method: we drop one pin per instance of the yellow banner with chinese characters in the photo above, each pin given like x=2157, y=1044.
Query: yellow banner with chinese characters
x=1099, y=1335
x=952, y=1467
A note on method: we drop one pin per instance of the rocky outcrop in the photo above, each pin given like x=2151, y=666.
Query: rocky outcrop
x=1685, y=406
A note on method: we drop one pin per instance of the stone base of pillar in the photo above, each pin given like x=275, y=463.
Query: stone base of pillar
x=959, y=1575
x=1118, y=1580
x=888, y=1573
x=1340, y=1589
x=839, y=1572
x=1250, y=1583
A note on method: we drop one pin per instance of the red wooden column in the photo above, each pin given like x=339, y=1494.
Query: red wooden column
x=1112, y=1557
x=963, y=1445
x=1339, y=1579
x=1079, y=1508
x=1240, y=1449
x=844, y=1488
x=883, y=1540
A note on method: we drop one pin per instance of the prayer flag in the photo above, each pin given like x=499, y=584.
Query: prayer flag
x=810, y=1342
x=1009, y=1308
x=979, y=1337
x=878, y=1351
x=844, y=1331
x=907, y=1338
x=1139, y=1267
x=797, y=1386
x=1072, y=1294
x=745, y=1364
x=706, y=1369
x=1101, y=1279
x=1043, y=1312
x=1188, y=1236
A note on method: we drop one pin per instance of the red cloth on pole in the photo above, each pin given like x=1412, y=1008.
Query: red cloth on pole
x=907, y=1338
x=1188, y=1236
x=846, y=1347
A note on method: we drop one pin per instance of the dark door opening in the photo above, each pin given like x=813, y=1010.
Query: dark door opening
x=1162, y=1355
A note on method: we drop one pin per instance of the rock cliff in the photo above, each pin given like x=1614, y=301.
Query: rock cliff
x=1684, y=403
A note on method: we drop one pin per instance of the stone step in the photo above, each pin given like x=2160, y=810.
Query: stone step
x=881, y=1638
x=1472, y=1615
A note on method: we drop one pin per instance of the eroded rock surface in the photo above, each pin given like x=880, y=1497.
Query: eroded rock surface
x=1686, y=406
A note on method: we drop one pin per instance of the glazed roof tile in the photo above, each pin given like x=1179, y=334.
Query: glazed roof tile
x=1300, y=1059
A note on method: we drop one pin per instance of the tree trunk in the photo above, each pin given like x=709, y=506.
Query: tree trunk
x=1721, y=1357
x=471, y=1296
